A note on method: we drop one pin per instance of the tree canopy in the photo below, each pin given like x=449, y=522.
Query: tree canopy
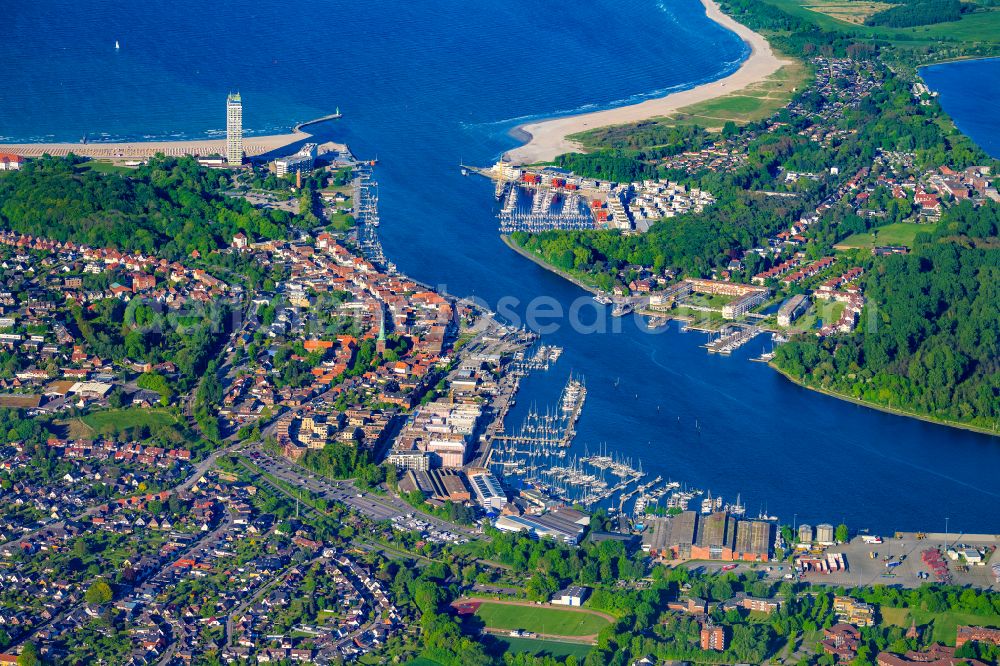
x=169, y=207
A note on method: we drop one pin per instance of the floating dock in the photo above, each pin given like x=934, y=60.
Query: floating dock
x=732, y=337
x=366, y=214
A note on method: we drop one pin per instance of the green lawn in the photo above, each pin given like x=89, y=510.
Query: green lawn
x=342, y=221
x=709, y=300
x=91, y=425
x=901, y=233
x=541, y=647
x=828, y=311
x=106, y=167
x=944, y=623
x=699, y=318
x=323, y=616
x=541, y=619
x=471, y=549
x=896, y=616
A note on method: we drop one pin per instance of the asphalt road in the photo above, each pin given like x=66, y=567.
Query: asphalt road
x=378, y=507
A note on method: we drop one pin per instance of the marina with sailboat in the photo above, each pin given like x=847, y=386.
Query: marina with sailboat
x=538, y=452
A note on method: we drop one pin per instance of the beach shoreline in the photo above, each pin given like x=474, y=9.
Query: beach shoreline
x=253, y=146
x=547, y=139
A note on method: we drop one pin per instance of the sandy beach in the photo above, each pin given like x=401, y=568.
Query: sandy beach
x=548, y=137
x=252, y=146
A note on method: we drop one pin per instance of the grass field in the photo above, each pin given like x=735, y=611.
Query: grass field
x=981, y=26
x=699, y=319
x=944, y=623
x=829, y=311
x=341, y=221
x=471, y=549
x=901, y=233
x=91, y=425
x=540, y=647
x=849, y=11
x=541, y=619
x=756, y=101
x=709, y=300
x=106, y=167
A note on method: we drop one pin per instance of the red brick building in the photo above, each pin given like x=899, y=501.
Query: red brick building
x=842, y=641
x=142, y=282
x=935, y=655
x=713, y=638
x=979, y=634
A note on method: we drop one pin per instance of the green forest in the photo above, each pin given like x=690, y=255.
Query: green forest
x=140, y=332
x=169, y=207
x=920, y=12
x=929, y=339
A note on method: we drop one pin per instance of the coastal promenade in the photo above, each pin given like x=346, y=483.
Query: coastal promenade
x=253, y=146
x=549, y=138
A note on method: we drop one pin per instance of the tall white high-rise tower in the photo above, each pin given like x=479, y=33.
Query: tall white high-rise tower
x=234, y=129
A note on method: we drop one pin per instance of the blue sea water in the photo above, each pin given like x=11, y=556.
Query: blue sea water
x=425, y=86
x=970, y=93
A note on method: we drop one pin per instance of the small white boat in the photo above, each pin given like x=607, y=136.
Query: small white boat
x=117, y=45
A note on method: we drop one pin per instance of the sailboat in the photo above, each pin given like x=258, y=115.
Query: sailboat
x=117, y=45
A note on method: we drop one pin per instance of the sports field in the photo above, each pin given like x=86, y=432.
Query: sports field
x=540, y=619
x=540, y=647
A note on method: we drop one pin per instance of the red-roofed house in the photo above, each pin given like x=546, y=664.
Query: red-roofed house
x=9, y=162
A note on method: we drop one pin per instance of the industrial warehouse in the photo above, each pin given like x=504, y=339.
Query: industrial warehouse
x=562, y=524
x=715, y=536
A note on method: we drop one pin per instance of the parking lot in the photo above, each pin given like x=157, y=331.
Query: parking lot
x=863, y=570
